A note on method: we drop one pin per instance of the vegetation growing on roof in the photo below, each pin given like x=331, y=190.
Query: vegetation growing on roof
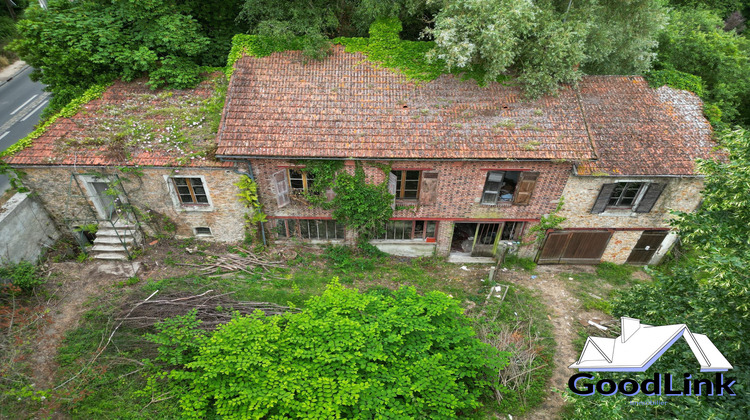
x=177, y=123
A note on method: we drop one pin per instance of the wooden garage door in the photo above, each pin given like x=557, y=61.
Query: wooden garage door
x=574, y=247
x=646, y=246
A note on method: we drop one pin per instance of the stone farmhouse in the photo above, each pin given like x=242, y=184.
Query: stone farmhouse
x=473, y=169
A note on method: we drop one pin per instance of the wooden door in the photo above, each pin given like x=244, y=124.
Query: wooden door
x=574, y=247
x=646, y=246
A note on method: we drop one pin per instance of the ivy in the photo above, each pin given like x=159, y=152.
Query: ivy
x=249, y=197
x=324, y=172
x=550, y=221
x=361, y=206
x=258, y=46
x=345, y=355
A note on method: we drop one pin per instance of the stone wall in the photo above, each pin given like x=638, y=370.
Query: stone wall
x=580, y=193
x=459, y=191
x=25, y=229
x=152, y=193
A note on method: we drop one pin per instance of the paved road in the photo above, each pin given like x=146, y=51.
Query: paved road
x=21, y=103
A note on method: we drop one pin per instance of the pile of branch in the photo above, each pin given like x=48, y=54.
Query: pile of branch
x=236, y=262
x=212, y=309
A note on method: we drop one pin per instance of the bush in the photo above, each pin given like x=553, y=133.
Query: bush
x=346, y=354
x=23, y=275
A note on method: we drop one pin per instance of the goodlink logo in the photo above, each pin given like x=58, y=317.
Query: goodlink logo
x=636, y=349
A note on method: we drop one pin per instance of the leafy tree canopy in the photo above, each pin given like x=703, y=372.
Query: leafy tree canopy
x=709, y=290
x=74, y=45
x=346, y=355
x=545, y=42
x=694, y=42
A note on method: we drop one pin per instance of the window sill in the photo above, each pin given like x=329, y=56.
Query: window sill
x=195, y=207
x=499, y=204
x=620, y=213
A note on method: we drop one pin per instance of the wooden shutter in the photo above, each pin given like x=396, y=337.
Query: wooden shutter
x=281, y=183
x=428, y=192
x=526, y=185
x=649, y=198
x=392, y=180
x=604, y=195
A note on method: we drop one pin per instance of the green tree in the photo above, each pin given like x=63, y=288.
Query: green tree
x=346, y=355
x=709, y=290
x=74, y=45
x=545, y=42
x=695, y=43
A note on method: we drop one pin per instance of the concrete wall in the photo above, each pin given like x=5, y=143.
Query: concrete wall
x=459, y=191
x=580, y=193
x=25, y=229
x=151, y=192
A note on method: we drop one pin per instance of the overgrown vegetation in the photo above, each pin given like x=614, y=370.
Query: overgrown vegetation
x=707, y=289
x=123, y=377
x=8, y=17
x=365, y=355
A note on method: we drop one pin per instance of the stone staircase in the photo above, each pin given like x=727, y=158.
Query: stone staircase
x=114, y=242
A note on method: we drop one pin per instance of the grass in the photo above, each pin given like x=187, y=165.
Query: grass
x=115, y=385
x=596, y=290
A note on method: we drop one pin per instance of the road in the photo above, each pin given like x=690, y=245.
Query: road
x=21, y=104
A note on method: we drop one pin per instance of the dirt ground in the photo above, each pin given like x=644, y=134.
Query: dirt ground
x=567, y=317
x=79, y=284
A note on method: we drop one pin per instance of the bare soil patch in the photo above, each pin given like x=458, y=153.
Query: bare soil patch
x=567, y=318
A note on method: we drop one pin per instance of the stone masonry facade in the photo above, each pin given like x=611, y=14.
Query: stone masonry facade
x=153, y=192
x=580, y=193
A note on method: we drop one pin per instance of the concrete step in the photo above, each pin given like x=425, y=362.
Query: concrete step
x=113, y=240
x=111, y=256
x=114, y=232
x=108, y=248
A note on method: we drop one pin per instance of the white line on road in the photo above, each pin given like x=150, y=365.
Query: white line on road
x=4, y=134
x=34, y=111
x=24, y=104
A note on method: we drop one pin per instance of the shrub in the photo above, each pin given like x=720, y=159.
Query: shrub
x=346, y=355
x=23, y=275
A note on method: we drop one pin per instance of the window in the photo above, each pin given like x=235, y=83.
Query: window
x=409, y=229
x=407, y=184
x=300, y=181
x=190, y=191
x=508, y=186
x=203, y=231
x=625, y=194
x=309, y=229
x=639, y=197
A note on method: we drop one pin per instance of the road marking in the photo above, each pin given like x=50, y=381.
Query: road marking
x=8, y=124
x=24, y=104
x=4, y=134
x=34, y=111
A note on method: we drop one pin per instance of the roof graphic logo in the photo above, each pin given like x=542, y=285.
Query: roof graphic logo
x=640, y=345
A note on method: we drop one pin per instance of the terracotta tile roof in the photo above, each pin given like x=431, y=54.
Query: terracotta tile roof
x=144, y=115
x=347, y=107
x=641, y=131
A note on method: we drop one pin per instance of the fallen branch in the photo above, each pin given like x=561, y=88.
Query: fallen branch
x=212, y=310
x=109, y=340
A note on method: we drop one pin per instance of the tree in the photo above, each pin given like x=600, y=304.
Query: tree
x=695, y=43
x=74, y=45
x=546, y=42
x=709, y=290
x=346, y=355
